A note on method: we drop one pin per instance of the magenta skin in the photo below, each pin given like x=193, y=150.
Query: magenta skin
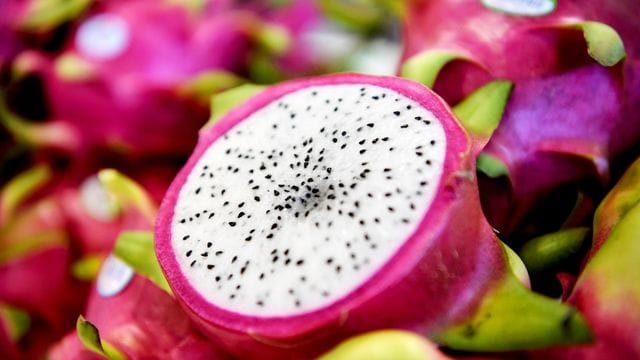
x=574, y=139
x=561, y=139
x=409, y=291
x=142, y=321
x=494, y=41
x=130, y=101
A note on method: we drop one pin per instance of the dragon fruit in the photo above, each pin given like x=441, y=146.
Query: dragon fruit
x=330, y=206
x=96, y=213
x=35, y=265
x=606, y=291
x=148, y=322
x=455, y=47
x=132, y=64
x=28, y=23
x=385, y=344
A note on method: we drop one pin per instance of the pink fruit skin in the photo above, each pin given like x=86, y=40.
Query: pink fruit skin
x=92, y=235
x=551, y=134
x=130, y=101
x=552, y=71
x=409, y=292
x=41, y=284
x=496, y=41
x=142, y=322
x=299, y=18
x=39, y=281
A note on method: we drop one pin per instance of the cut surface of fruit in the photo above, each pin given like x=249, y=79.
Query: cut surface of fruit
x=307, y=197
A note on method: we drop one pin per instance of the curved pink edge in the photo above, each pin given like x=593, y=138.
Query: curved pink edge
x=457, y=150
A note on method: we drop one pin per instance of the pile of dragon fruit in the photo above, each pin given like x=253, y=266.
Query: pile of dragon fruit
x=334, y=179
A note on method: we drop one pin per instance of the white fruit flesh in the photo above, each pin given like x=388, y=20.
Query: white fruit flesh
x=304, y=200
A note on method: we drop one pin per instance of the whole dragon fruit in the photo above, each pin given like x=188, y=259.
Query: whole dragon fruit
x=147, y=323
x=330, y=206
x=558, y=60
x=606, y=291
x=33, y=23
x=36, y=263
x=134, y=72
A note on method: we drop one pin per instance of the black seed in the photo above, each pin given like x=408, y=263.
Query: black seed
x=185, y=237
x=198, y=191
x=396, y=113
x=362, y=151
x=329, y=260
x=404, y=126
x=204, y=254
x=391, y=209
x=192, y=263
x=275, y=225
x=188, y=253
x=240, y=214
x=256, y=198
x=218, y=253
x=210, y=266
x=232, y=223
x=386, y=169
x=248, y=238
x=370, y=125
x=234, y=259
x=217, y=278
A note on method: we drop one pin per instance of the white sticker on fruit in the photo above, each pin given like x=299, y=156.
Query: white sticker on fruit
x=103, y=37
x=114, y=276
x=521, y=7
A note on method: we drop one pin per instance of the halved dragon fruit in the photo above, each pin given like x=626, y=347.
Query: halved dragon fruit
x=558, y=60
x=330, y=206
